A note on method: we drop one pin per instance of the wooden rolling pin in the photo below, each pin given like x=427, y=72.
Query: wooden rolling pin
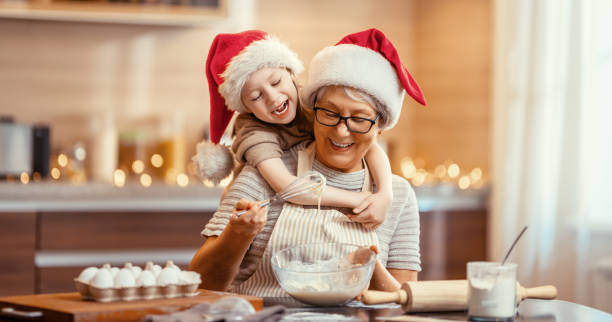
x=435, y=296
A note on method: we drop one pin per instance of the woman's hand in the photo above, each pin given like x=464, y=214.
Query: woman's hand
x=251, y=222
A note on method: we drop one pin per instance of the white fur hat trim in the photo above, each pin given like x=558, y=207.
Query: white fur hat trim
x=360, y=68
x=268, y=52
x=214, y=162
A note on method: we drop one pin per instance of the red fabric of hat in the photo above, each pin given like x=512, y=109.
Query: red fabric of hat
x=222, y=50
x=376, y=40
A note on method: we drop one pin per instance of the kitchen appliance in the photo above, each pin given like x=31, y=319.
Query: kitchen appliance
x=15, y=148
x=437, y=296
x=23, y=148
x=41, y=144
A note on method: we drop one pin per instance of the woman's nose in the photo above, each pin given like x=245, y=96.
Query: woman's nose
x=342, y=129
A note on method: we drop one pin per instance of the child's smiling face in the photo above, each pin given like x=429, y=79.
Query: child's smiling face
x=271, y=95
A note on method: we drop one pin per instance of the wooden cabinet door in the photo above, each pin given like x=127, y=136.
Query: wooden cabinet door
x=450, y=239
x=17, y=246
x=71, y=241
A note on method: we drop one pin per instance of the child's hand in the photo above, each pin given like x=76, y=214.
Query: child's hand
x=372, y=211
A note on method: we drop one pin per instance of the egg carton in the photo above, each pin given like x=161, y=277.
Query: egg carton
x=113, y=294
x=109, y=284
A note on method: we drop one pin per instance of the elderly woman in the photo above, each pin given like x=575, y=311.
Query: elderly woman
x=355, y=91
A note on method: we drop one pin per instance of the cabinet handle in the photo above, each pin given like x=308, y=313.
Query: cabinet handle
x=11, y=312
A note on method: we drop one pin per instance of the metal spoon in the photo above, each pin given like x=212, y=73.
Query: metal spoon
x=513, y=244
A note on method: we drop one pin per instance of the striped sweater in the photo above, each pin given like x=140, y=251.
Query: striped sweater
x=398, y=236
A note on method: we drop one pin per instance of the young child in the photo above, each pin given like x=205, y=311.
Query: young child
x=254, y=74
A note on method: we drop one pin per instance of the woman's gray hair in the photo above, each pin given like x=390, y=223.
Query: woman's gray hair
x=360, y=96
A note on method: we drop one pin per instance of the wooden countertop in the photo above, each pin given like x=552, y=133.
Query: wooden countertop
x=52, y=196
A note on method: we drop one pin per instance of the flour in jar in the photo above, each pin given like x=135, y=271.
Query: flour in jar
x=492, y=296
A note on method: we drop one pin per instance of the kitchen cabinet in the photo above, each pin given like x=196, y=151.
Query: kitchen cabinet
x=17, y=247
x=450, y=239
x=71, y=241
x=42, y=252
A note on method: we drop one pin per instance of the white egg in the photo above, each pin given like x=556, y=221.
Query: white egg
x=146, y=278
x=154, y=268
x=167, y=276
x=114, y=271
x=188, y=277
x=170, y=264
x=102, y=279
x=87, y=274
x=125, y=278
x=136, y=270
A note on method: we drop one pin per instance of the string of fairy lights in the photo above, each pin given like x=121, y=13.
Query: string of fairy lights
x=147, y=172
x=448, y=172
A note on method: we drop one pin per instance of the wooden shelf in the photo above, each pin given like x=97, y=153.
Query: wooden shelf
x=117, y=13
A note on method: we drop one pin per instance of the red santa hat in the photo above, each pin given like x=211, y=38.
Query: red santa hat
x=231, y=60
x=366, y=61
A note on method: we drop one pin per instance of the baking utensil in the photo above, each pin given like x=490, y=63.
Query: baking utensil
x=309, y=183
x=324, y=274
x=513, y=244
x=444, y=295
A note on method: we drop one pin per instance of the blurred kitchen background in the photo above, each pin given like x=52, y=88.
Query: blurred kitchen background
x=103, y=102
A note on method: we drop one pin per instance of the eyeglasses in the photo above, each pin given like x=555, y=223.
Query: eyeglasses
x=354, y=124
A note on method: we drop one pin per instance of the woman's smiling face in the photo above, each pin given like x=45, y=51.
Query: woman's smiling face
x=336, y=146
x=271, y=95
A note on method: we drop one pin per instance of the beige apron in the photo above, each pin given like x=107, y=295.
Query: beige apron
x=297, y=226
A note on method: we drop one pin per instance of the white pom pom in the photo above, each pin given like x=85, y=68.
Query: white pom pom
x=214, y=162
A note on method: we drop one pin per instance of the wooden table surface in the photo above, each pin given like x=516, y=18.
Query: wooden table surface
x=70, y=307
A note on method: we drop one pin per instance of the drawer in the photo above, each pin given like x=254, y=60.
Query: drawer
x=120, y=230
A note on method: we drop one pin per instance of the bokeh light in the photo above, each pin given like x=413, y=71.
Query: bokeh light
x=138, y=166
x=182, y=180
x=119, y=178
x=157, y=160
x=146, y=180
